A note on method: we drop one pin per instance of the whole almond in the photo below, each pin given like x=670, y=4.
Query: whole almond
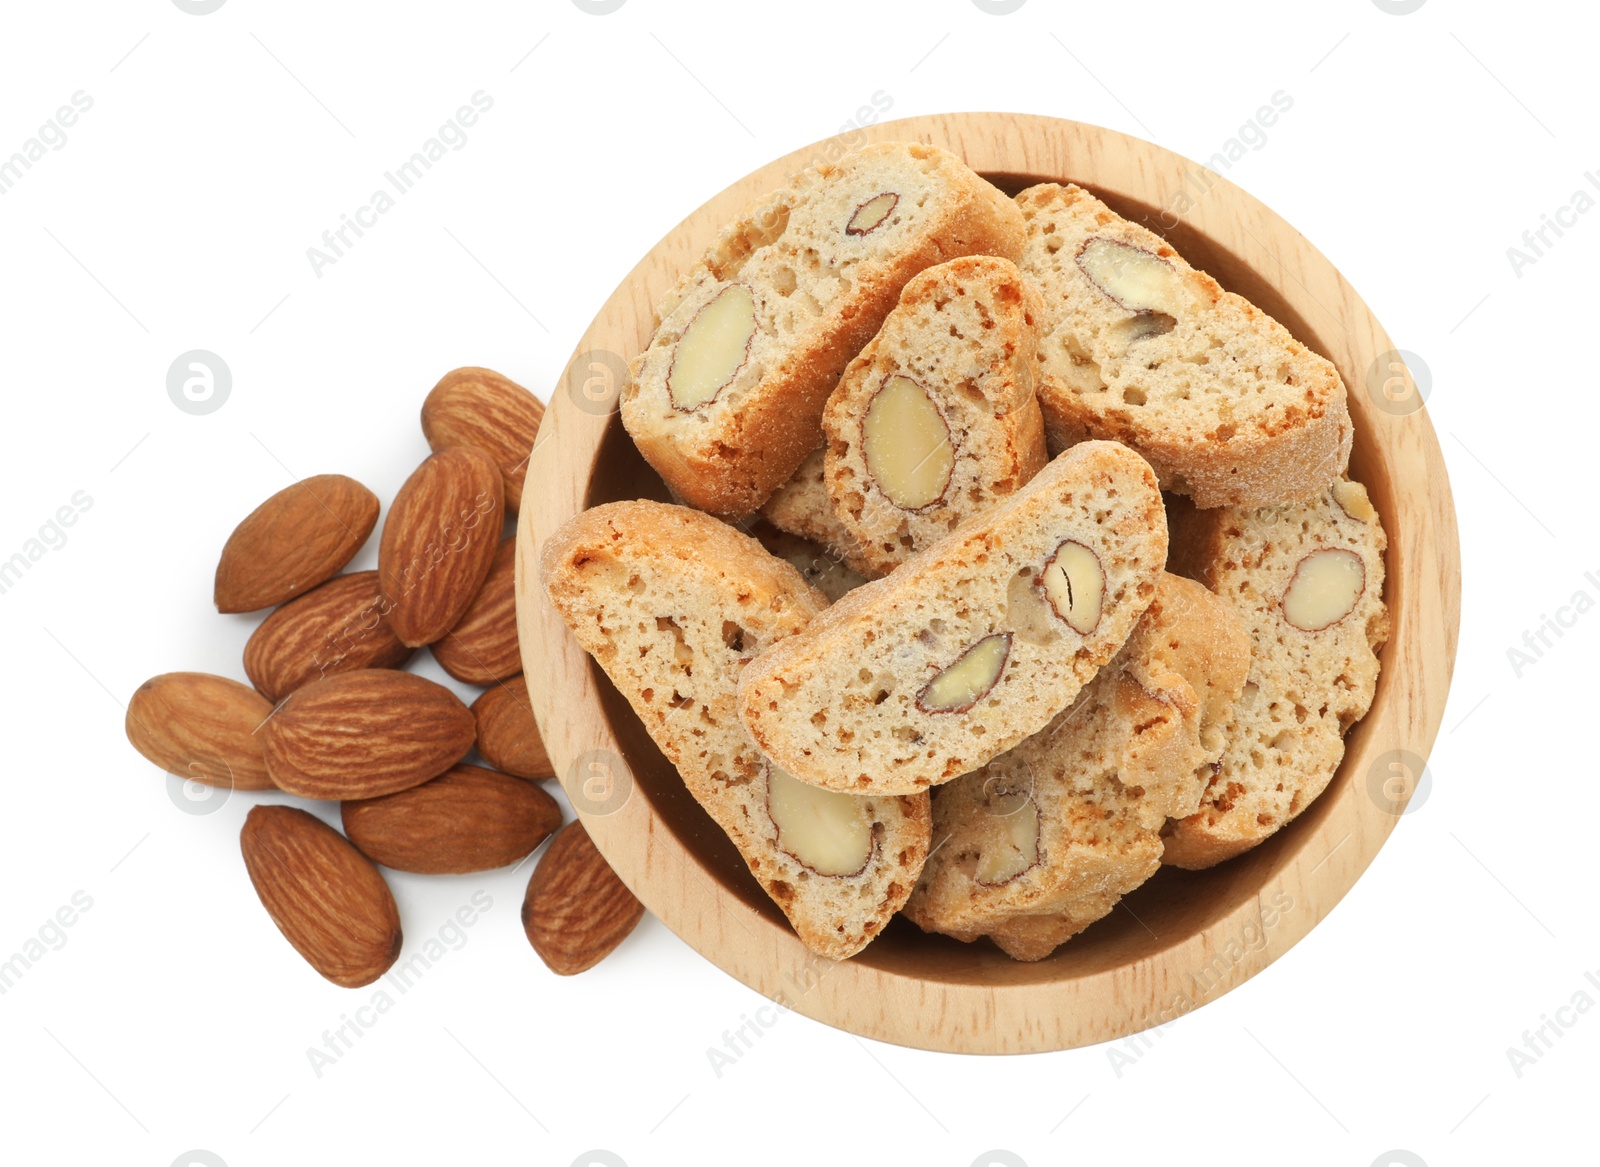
x=577, y=911
x=334, y=628
x=364, y=734
x=508, y=736
x=480, y=408
x=289, y=544
x=482, y=648
x=326, y=897
x=466, y=819
x=439, y=541
x=202, y=727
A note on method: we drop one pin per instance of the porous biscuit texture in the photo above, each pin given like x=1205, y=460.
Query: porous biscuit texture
x=1228, y=407
x=801, y=507
x=673, y=604
x=1098, y=782
x=965, y=334
x=1306, y=688
x=857, y=702
x=822, y=261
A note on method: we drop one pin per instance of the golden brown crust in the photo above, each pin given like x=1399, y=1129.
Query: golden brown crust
x=672, y=604
x=802, y=508
x=1101, y=778
x=1226, y=405
x=820, y=295
x=838, y=706
x=967, y=332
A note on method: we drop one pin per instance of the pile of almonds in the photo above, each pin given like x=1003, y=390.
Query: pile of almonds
x=332, y=715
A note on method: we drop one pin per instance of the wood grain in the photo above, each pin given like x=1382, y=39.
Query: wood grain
x=1184, y=938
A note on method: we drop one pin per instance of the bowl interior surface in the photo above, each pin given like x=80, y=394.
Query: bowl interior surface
x=1166, y=927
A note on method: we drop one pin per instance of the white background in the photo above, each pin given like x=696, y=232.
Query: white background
x=177, y=216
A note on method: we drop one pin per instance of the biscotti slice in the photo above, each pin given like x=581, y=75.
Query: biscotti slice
x=801, y=507
x=1044, y=840
x=936, y=419
x=818, y=566
x=1142, y=349
x=1307, y=579
x=1173, y=687
x=972, y=645
x=726, y=401
x=672, y=604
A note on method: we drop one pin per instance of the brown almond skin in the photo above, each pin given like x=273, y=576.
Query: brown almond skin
x=365, y=734
x=298, y=538
x=439, y=542
x=466, y=819
x=482, y=648
x=334, y=628
x=577, y=911
x=508, y=736
x=202, y=727
x=327, y=898
x=480, y=408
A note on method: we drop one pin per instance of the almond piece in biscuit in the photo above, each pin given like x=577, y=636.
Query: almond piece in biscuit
x=971, y=645
x=1045, y=839
x=1307, y=685
x=936, y=419
x=1141, y=348
x=726, y=401
x=673, y=604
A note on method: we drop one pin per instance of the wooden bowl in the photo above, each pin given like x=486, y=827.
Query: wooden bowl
x=1182, y=939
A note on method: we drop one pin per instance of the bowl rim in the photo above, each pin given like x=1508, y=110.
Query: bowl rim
x=1405, y=473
